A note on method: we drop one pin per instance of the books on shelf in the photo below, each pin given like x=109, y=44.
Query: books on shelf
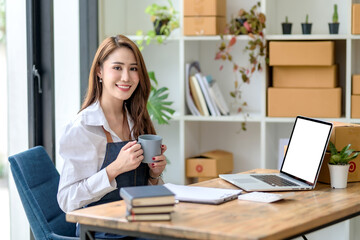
x=214, y=111
x=217, y=95
x=203, y=95
x=189, y=98
x=195, y=97
x=148, y=203
x=199, y=96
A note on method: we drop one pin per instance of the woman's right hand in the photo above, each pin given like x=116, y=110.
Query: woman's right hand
x=129, y=158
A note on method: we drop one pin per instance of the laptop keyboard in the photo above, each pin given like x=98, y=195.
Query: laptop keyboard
x=274, y=180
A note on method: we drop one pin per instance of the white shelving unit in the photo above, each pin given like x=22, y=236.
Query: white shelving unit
x=189, y=135
x=257, y=147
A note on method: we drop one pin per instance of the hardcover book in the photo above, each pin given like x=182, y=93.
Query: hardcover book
x=147, y=195
x=150, y=209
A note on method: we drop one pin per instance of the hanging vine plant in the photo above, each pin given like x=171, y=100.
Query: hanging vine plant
x=250, y=23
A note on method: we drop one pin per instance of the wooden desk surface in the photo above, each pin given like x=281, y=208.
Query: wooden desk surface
x=236, y=219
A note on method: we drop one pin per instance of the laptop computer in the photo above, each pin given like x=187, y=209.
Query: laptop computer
x=301, y=164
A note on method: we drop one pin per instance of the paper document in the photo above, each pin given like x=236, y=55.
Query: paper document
x=202, y=194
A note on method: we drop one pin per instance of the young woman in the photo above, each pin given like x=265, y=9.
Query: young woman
x=99, y=148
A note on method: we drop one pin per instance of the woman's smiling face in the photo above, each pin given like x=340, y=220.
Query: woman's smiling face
x=119, y=74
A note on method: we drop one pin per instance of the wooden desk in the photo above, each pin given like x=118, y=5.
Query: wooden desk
x=305, y=212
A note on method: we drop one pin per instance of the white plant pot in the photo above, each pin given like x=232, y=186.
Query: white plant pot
x=338, y=175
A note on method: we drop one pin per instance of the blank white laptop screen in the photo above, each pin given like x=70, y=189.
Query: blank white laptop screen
x=304, y=153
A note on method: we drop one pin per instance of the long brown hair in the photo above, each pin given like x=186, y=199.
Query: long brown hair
x=136, y=104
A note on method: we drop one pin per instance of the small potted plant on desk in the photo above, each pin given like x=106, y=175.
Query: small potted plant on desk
x=334, y=26
x=286, y=26
x=339, y=165
x=306, y=27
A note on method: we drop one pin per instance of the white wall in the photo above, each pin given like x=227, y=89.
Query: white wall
x=17, y=105
x=67, y=66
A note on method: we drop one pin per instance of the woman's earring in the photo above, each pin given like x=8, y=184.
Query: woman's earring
x=100, y=80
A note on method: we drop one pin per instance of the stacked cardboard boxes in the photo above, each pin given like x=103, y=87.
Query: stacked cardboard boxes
x=204, y=17
x=342, y=135
x=304, y=80
x=355, y=97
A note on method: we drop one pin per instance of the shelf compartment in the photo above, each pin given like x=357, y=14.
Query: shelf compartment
x=206, y=136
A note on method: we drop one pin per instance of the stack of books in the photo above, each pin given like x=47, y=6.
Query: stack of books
x=148, y=203
x=203, y=95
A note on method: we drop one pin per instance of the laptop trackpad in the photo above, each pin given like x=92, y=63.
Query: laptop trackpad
x=246, y=180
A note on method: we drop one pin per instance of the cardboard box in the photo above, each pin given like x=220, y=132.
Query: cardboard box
x=356, y=84
x=305, y=77
x=353, y=175
x=344, y=134
x=290, y=102
x=301, y=53
x=355, y=106
x=210, y=164
x=195, y=26
x=355, y=28
x=205, y=8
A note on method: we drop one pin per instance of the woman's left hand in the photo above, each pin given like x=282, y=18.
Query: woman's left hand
x=159, y=164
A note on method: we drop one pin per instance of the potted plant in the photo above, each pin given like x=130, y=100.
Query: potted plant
x=286, y=26
x=334, y=26
x=251, y=23
x=306, y=27
x=339, y=165
x=165, y=19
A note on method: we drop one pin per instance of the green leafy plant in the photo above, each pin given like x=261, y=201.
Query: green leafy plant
x=286, y=19
x=307, y=19
x=251, y=23
x=165, y=20
x=157, y=105
x=343, y=157
x=335, y=17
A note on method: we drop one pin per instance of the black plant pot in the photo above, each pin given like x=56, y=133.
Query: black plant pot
x=286, y=28
x=334, y=28
x=306, y=28
x=158, y=24
x=241, y=21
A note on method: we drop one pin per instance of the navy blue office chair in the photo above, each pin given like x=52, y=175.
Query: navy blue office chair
x=37, y=180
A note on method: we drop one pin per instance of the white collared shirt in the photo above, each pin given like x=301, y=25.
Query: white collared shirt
x=83, y=146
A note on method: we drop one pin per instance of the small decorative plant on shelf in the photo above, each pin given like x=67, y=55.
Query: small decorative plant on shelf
x=306, y=27
x=157, y=106
x=251, y=23
x=339, y=165
x=334, y=26
x=286, y=26
x=165, y=19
